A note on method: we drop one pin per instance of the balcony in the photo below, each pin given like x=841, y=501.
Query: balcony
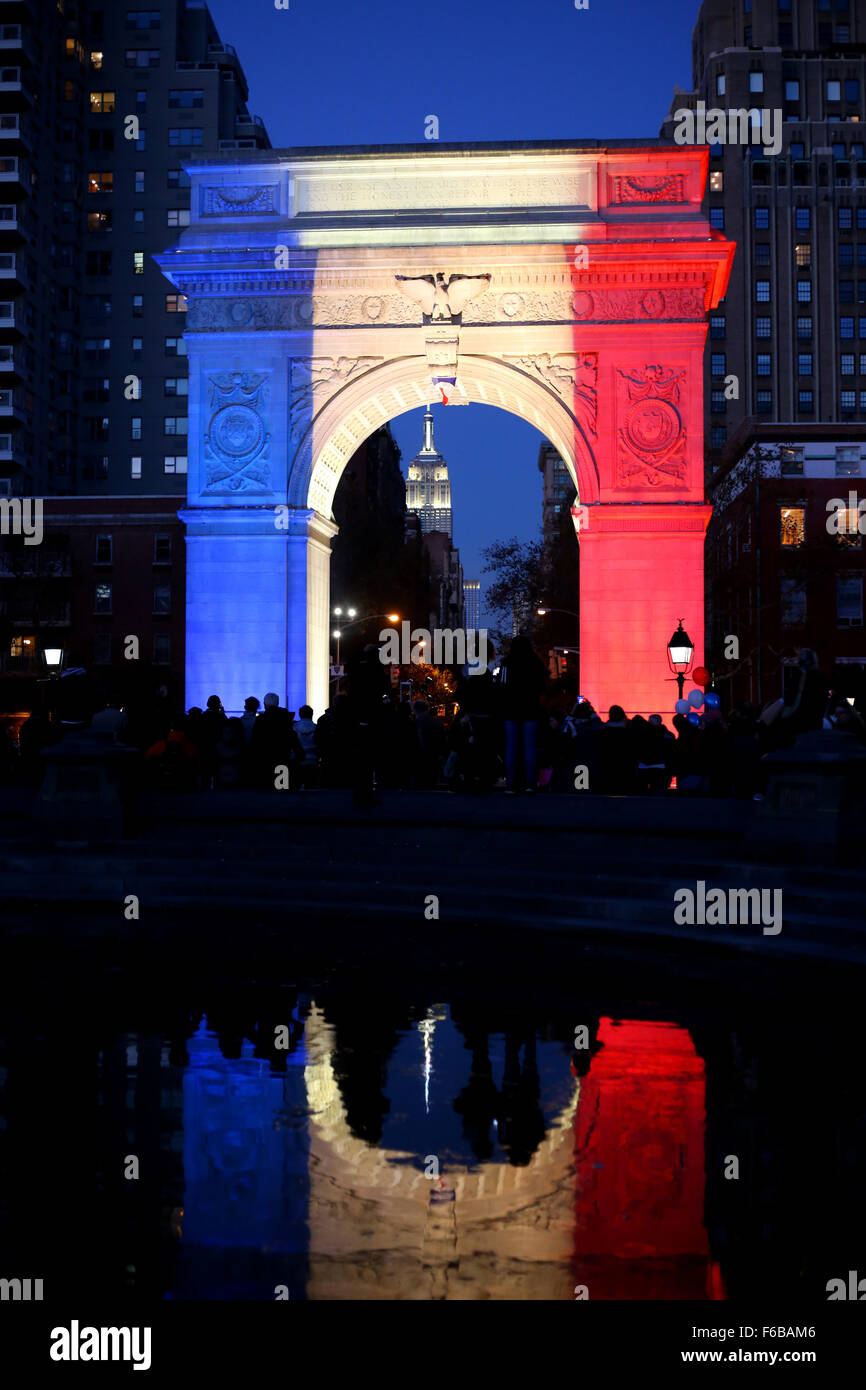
x=11, y=272
x=11, y=85
x=8, y=368
x=10, y=317
x=14, y=39
x=11, y=175
x=10, y=412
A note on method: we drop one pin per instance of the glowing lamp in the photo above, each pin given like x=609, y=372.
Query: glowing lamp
x=681, y=650
x=53, y=657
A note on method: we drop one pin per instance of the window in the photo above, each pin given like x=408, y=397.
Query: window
x=104, y=550
x=792, y=91
x=804, y=364
x=849, y=600
x=848, y=534
x=791, y=460
x=846, y=255
x=139, y=181
x=176, y=386
x=135, y=467
x=847, y=461
x=763, y=364
x=803, y=255
x=718, y=403
x=180, y=98
x=717, y=181
x=162, y=598
x=717, y=363
x=762, y=327
x=846, y=327
x=162, y=550
x=137, y=346
x=756, y=81
x=96, y=349
x=175, y=303
x=720, y=84
x=97, y=221
x=102, y=598
x=804, y=328
x=138, y=306
x=98, y=263
x=762, y=291
x=717, y=326
x=141, y=101
x=143, y=58
x=717, y=218
x=175, y=347
x=141, y=142
x=138, y=216
x=177, y=178
x=762, y=219
x=834, y=91
x=161, y=648
x=135, y=427
x=846, y=291
x=844, y=216
x=862, y=368
x=762, y=253
x=803, y=219
x=718, y=437
x=804, y=291
x=182, y=135
x=174, y=463
x=101, y=103
x=138, y=262
x=848, y=402
x=847, y=364
x=175, y=424
x=102, y=181
x=179, y=217
x=764, y=402
x=95, y=391
x=142, y=19
x=100, y=646
x=793, y=596
x=806, y=402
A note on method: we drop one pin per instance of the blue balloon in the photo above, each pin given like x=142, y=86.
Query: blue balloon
x=696, y=698
x=711, y=700
x=695, y=718
x=682, y=707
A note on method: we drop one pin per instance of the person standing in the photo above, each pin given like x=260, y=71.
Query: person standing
x=523, y=678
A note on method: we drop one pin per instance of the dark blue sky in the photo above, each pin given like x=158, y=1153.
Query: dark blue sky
x=330, y=72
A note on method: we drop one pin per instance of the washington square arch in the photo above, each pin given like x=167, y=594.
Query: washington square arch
x=330, y=290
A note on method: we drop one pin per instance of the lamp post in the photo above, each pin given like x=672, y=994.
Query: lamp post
x=338, y=632
x=681, y=651
x=53, y=659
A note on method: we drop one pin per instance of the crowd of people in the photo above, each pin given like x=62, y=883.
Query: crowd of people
x=508, y=724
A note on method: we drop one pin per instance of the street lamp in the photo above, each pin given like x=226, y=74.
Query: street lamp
x=53, y=658
x=681, y=651
x=543, y=612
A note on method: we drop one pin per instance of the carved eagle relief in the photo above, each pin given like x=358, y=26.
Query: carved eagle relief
x=442, y=301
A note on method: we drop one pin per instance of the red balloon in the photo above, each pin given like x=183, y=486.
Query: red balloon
x=700, y=675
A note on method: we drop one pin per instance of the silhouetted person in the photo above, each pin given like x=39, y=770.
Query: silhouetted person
x=210, y=731
x=368, y=685
x=617, y=760
x=305, y=728
x=806, y=703
x=523, y=678
x=230, y=755
x=274, y=742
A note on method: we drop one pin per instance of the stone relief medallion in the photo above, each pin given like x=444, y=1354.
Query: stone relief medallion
x=652, y=427
x=511, y=305
x=237, y=432
x=653, y=304
x=582, y=304
x=373, y=306
x=240, y=312
x=304, y=309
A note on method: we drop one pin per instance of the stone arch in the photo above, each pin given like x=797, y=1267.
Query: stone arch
x=401, y=384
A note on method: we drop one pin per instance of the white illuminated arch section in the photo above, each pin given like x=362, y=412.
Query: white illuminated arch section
x=403, y=384
x=374, y=1233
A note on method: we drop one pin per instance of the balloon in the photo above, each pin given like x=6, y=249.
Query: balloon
x=700, y=675
x=696, y=698
x=711, y=700
x=695, y=718
x=682, y=706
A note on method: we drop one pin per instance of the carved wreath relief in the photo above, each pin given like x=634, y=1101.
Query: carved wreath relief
x=237, y=445
x=651, y=437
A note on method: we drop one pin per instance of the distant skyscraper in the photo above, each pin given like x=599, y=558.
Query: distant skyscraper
x=428, y=489
x=472, y=602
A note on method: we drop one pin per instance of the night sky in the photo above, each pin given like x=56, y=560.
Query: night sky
x=328, y=72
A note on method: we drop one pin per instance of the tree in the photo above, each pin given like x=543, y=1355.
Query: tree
x=518, y=588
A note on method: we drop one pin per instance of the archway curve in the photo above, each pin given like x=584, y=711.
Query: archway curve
x=402, y=384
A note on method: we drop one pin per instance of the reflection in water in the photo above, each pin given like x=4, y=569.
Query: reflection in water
x=395, y=1150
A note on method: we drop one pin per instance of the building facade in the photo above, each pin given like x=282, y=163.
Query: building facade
x=99, y=107
x=428, y=487
x=787, y=558
x=788, y=341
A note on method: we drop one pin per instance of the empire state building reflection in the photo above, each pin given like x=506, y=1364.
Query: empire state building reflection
x=543, y=1179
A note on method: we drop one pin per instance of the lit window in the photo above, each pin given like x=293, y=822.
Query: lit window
x=138, y=262
x=847, y=364
x=175, y=303
x=178, y=217
x=96, y=61
x=804, y=364
x=176, y=424
x=135, y=467
x=135, y=427
x=762, y=291
x=763, y=364
x=720, y=85
x=756, y=81
x=847, y=461
x=175, y=463
x=792, y=461
x=834, y=91
x=176, y=386
x=792, y=91
x=102, y=598
x=717, y=181
x=101, y=103
x=803, y=254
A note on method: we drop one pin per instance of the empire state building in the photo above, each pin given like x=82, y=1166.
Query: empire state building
x=428, y=489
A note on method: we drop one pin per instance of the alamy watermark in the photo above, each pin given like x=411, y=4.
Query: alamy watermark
x=22, y=516
x=736, y=907
x=442, y=647
x=846, y=519
x=737, y=126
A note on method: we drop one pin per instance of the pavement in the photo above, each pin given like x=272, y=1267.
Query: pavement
x=598, y=872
